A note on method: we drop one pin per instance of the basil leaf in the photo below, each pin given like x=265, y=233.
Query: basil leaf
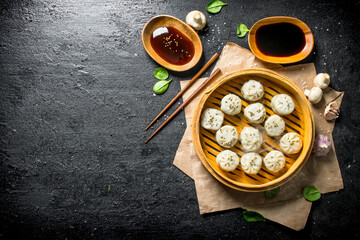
x=311, y=193
x=161, y=73
x=242, y=30
x=251, y=216
x=161, y=86
x=272, y=193
x=215, y=6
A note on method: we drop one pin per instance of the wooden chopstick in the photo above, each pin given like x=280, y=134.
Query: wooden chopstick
x=216, y=55
x=186, y=102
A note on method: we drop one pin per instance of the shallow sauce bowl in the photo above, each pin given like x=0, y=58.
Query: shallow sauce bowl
x=309, y=40
x=169, y=21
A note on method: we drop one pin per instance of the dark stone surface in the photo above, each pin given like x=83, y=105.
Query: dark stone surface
x=76, y=94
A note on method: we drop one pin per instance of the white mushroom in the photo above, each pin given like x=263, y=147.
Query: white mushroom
x=322, y=80
x=196, y=20
x=314, y=95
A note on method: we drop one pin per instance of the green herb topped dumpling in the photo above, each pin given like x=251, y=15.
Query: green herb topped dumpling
x=227, y=160
x=274, y=126
x=252, y=90
x=251, y=163
x=274, y=161
x=251, y=139
x=255, y=113
x=227, y=136
x=290, y=143
x=231, y=104
x=282, y=104
x=212, y=119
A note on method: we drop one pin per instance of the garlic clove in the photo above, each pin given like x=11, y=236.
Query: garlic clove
x=332, y=111
x=315, y=95
x=196, y=19
x=322, y=145
x=322, y=80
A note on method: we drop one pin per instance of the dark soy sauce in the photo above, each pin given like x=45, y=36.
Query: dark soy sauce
x=172, y=46
x=280, y=39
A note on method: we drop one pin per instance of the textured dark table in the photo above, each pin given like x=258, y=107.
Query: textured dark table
x=76, y=94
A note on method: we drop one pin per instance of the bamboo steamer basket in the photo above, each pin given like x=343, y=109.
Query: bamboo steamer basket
x=300, y=121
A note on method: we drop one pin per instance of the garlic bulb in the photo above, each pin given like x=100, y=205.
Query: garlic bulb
x=322, y=80
x=331, y=111
x=322, y=145
x=196, y=20
x=314, y=95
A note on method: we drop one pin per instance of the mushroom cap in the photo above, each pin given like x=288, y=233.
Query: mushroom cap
x=322, y=80
x=315, y=95
x=196, y=19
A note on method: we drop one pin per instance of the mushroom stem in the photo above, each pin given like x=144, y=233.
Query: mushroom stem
x=197, y=17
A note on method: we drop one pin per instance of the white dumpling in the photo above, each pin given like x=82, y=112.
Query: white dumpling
x=290, y=143
x=252, y=90
x=251, y=163
x=251, y=139
x=227, y=160
x=231, y=104
x=274, y=126
x=227, y=136
x=212, y=119
x=282, y=104
x=255, y=113
x=274, y=161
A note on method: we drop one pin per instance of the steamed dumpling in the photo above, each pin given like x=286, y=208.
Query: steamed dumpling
x=282, y=104
x=231, y=104
x=274, y=161
x=251, y=139
x=251, y=163
x=227, y=136
x=291, y=143
x=274, y=126
x=212, y=119
x=255, y=113
x=227, y=160
x=252, y=90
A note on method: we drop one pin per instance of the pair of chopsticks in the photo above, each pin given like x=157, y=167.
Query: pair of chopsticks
x=188, y=100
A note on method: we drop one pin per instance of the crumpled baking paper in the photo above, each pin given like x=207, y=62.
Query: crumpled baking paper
x=289, y=208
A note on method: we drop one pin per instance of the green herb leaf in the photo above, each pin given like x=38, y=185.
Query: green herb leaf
x=161, y=73
x=251, y=216
x=161, y=86
x=272, y=193
x=215, y=6
x=242, y=30
x=311, y=193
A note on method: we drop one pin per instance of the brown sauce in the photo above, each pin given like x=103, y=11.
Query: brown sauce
x=280, y=39
x=172, y=46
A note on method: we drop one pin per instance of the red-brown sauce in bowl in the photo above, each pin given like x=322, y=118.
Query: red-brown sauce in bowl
x=172, y=46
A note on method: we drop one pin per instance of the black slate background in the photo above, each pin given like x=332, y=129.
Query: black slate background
x=76, y=95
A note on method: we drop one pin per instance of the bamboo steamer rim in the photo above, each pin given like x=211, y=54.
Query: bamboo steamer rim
x=308, y=141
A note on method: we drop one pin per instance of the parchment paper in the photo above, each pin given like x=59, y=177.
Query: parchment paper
x=289, y=208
